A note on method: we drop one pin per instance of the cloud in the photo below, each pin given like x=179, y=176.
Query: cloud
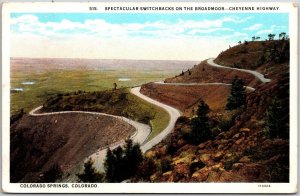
x=97, y=38
x=205, y=31
x=155, y=48
x=266, y=31
x=100, y=27
x=24, y=19
x=278, y=27
x=236, y=19
x=272, y=29
x=236, y=35
x=253, y=27
x=239, y=34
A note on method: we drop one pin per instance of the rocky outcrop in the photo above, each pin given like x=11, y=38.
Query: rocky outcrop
x=240, y=152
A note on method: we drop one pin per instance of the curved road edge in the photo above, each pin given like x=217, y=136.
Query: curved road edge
x=258, y=75
x=140, y=135
x=174, y=115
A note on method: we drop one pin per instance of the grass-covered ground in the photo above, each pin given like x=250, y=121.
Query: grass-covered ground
x=49, y=83
x=36, y=82
x=117, y=102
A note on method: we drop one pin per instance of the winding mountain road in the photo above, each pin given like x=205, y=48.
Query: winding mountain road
x=141, y=134
x=174, y=115
x=258, y=75
x=142, y=130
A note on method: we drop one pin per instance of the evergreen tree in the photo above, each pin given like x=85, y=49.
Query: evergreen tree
x=109, y=166
x=136, y=158
x=128, y=147
x=133, y=157
x=237, y=97
x=275, y=121
x=282, y=35
x=53, y=174
x=200, y=125
x=121, y=164
x=90, y=174
x=271, y=36
x=127, y=158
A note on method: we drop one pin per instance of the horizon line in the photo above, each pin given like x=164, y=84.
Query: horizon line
x=100, y=59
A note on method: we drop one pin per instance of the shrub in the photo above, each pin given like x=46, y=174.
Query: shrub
x=165, y=164
x=261, y=60
x=146, y=169
x=228, y=120
x=171, y=148
x=276, y=125
x=53, y=174
x=183, y=120
x=237, y=97
x=122, y=163
x=200, y=125
x=90, y=174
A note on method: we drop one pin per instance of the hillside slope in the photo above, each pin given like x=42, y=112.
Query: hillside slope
x=185, y=98
x=39, y=142
x=119, y=102
x=240, y=149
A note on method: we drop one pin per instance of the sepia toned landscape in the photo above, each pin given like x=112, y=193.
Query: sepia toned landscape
x=223, y=118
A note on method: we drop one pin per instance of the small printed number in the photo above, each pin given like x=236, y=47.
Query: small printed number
x=264, y=185
x=93, y=8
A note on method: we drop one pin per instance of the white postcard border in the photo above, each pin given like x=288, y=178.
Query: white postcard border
x=290, y=187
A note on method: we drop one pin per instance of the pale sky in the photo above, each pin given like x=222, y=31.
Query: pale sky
x=136, y=36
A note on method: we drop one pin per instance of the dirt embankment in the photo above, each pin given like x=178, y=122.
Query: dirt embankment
x=66, y=139
x=239, y=153
x=204, y=73
x=185, y=98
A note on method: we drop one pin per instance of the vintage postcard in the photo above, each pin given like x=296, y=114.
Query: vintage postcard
x=149, y=97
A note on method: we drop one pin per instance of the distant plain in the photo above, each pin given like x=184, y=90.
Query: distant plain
x=33, y=81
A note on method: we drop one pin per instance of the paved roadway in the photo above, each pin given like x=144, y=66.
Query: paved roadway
x=258, y=75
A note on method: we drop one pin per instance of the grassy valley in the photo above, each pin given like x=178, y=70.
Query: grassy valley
x=47, y=84
x=33, y=81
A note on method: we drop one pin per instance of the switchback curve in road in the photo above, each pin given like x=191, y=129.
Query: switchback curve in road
x=258, y=75
x=143, y=130
x=174, y=115
x=141, y=134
